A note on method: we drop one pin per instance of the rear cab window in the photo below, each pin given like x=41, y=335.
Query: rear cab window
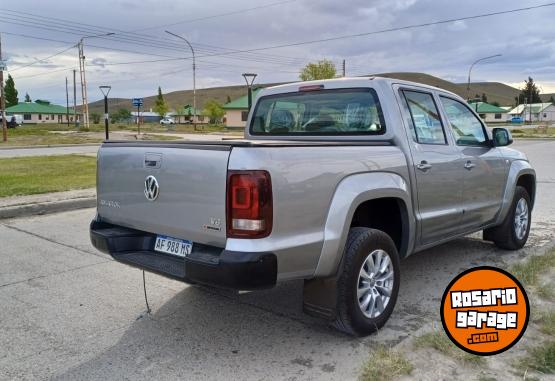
x=319, y=113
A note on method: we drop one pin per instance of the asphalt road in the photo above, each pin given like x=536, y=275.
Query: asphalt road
x=69, y=312
x=42, y=151
x=93, y=148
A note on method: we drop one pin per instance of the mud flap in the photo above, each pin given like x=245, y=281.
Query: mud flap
x=320, y=297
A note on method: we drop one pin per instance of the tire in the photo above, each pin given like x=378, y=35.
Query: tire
x=510, y=235
x=363, y=243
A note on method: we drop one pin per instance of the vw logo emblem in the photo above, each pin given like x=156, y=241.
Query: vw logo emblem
x=151, y=188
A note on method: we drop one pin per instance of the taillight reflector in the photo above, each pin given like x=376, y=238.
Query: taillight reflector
x=249, y=204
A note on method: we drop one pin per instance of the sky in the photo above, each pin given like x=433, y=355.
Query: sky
x=221, y=31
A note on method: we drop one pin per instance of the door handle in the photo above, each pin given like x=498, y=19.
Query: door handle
x=469, y=165
x=423, y=166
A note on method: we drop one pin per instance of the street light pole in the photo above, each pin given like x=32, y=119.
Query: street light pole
x=105, y=91
x=470, y=71
x=85, y=107
x=249, y=79
x=194, y=77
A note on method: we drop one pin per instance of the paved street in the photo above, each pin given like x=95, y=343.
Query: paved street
x=93, y=148
x=41, y=151
x=70, y=312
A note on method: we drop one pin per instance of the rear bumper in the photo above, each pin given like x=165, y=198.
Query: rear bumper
x=206, y=264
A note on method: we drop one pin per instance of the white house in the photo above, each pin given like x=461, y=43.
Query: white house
x=541, y=112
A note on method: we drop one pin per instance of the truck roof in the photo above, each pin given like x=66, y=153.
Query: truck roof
x=346, y=82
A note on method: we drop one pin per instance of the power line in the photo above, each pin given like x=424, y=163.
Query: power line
x=40, y=21
x=239, y=11
x=42, y=59
x=412, y=26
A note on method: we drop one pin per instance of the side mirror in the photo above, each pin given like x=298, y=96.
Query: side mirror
x=501, y=137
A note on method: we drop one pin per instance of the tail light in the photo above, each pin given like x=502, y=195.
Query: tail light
x=249, y=204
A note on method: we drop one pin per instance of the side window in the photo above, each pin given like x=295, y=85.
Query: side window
x=467, y=129
x=426, y=123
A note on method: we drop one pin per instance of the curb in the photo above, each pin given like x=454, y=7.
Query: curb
x=26, y=210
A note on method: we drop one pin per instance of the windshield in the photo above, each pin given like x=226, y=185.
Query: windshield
x=322, y=112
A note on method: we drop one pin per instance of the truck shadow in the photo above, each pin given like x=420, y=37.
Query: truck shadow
x=203, y=333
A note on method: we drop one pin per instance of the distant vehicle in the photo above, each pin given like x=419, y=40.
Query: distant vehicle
x=517, y=119
x=167, y=121
x=13, y=121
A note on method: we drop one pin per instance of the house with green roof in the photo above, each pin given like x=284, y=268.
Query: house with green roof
x=41, y=111
x=538, y=112
x=490, y=113
x=237, y=111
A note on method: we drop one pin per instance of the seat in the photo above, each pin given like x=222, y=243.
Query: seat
x=281, y=122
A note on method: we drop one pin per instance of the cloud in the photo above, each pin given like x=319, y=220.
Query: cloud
x=525, y=40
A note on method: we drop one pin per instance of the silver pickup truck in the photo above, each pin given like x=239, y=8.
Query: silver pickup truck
x=335, y=182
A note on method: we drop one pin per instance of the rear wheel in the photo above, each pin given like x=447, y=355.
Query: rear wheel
x=512, y=234
x=368, y=285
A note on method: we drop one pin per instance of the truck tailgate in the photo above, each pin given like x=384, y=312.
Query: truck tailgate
x=191, y=199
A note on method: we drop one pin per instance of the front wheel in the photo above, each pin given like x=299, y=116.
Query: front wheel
x=368, y=284
x=512, y=234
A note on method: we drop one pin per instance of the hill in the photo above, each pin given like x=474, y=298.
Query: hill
x=495, y=91
x=177, y=99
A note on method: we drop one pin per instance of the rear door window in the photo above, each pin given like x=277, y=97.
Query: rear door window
x=321, y=112
x=426, y=122
x=466, y=127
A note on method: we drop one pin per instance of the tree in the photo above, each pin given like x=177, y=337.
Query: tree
x=27, y=98
x=495, y=103
x=484, y=98
x=160, y=106
x=214, y=111
x=228, y=99
x=551, y=99
x=10, y=92
x=323, y=69
x=529, y=93
x=95, y=117
x=121, y=115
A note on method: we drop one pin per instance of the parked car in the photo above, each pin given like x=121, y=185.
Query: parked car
x=517, y=119
x=335, y=182
x=12, y=121
x=167, y=121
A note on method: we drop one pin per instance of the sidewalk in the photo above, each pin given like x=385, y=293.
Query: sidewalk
x=47, y=203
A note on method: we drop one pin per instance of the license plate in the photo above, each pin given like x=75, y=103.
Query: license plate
x=173, y=246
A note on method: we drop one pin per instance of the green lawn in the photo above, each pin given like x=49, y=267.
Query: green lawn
x=40, y=135
x=44, y=174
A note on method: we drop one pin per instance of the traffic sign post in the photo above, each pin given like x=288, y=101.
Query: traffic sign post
x=138, y=102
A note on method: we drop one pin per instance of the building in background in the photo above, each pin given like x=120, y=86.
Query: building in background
x=41, y=111
x=237, y=111
x=146, y=116
x=490, y=113
x=185, y=115
x=541, y=112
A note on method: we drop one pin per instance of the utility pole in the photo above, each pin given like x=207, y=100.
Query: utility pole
x=74, y=100
x=85, y=107
x=67, y=105
x=343, y=68
x=2, y=98
x=84, y=104
x=194, y=78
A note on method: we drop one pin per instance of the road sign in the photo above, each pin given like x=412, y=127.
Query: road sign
x=137, y=102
